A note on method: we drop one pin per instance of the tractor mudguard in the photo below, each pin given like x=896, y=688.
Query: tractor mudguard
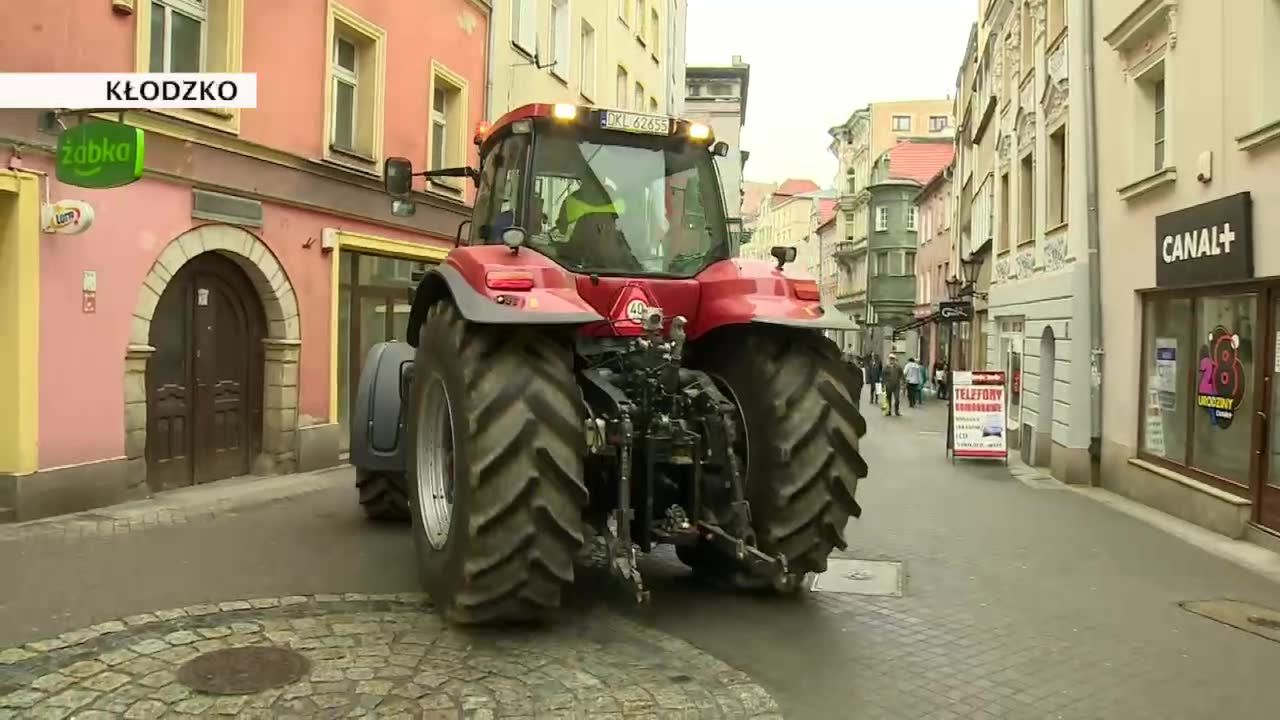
x=377, y=418
x=736, y=292
x=553, y=299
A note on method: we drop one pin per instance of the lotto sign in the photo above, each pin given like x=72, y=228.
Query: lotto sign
x=978, y=415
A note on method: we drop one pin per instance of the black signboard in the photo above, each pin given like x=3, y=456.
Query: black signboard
x=1206, y=243
x=955, y=311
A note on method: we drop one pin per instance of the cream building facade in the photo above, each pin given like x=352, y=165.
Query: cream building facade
x=1022, y=211
x=1189, y=200
x=717, y=96
x=626, y=54
x=856, y=143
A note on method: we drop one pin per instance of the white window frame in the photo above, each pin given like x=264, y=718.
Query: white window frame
x=561, y=22
x=946, y=123
x=440, y=118
x=587, y=60
x=623, y=89
x=639, y=20
x=912, y=217
x=342, y=75
x=882, y=219
x=524, y=25
x=193, y=9
x=893, y=123
x=624, y=12
x=637, y=101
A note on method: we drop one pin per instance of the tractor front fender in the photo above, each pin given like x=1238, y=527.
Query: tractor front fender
x=552, y=301
x=736, y=292
x=377, y=419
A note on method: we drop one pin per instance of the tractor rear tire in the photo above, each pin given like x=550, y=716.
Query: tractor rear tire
x=802, y=431
x=496, y=430
x=382, y=497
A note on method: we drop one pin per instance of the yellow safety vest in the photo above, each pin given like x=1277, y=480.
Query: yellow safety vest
x=575, y=210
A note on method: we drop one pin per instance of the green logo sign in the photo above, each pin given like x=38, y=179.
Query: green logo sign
x=100, y=154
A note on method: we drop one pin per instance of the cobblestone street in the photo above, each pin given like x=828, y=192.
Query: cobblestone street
x=1019, y=600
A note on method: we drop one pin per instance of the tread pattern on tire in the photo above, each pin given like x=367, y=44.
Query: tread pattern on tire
x=811, y=452
x=381, y=498
x=527, y=453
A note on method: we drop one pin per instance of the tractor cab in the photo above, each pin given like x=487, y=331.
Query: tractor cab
x=598, y=191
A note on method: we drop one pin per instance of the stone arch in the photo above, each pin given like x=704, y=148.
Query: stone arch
x=283, y=342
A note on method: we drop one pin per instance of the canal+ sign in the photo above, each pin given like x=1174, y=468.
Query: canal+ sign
x=1211, y=242
x=100, y=154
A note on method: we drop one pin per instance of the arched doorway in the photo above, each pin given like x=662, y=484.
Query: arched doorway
x=204, y=379
x=1044, y=416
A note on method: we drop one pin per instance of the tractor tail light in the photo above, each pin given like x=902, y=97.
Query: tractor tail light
x=508, y=280
x=806, y=289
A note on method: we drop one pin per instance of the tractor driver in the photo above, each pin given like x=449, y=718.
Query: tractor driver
x=589, y=217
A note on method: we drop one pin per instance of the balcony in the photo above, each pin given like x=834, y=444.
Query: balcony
x=844, y=250
x=889, y=292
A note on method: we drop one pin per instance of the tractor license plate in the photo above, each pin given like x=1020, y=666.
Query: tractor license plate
x=635, y=123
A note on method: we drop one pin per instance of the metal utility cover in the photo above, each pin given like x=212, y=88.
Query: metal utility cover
x=1261, y=621
x=243, y=670
x=860, y=577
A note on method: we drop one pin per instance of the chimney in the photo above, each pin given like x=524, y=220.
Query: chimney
x=737, y=60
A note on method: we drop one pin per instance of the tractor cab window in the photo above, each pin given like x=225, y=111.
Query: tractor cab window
x=498, y=199
x=616, y=204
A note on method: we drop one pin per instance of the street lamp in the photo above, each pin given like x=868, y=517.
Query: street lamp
x=953, y=287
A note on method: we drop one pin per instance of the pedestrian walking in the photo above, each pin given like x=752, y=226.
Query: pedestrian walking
x=892, y=378
x=913, y=373
x=940, y=379
x=874, y=378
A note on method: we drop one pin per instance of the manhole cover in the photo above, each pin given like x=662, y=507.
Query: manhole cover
x=243, y=670
x=1261, y=621
x=860, y=577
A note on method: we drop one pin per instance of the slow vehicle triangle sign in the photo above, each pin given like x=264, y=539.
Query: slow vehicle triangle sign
x=627, y=314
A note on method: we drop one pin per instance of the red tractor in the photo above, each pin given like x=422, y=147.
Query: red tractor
x=592, y=368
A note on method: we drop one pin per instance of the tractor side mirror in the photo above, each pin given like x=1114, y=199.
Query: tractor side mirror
x=783, y=254
x=397, y=177
x=720, y=149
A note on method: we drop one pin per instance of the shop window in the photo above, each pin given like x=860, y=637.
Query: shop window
x=373, y=306
x=1198, y=364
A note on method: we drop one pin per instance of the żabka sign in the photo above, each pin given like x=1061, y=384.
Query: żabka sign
x=1206, y=243
x=100, y=154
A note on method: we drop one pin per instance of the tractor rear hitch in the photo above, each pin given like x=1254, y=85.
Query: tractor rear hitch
x=757, y=563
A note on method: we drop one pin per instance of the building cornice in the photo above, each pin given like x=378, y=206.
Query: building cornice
x=1141, y=22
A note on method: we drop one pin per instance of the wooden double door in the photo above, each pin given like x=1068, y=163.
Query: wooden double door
x=204, y=380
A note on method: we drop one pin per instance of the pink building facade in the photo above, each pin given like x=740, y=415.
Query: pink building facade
x=212, y=319
x=933, y=211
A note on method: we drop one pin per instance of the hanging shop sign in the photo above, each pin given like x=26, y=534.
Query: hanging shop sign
x=1220, y=388
x=955, y=311
x=100, y=154
x=1210, y=242
x=978, y=415
x=66, y=217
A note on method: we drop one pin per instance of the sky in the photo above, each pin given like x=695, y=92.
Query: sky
x=813, y=62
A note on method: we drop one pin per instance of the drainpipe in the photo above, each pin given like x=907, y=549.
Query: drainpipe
x=1095, y=269
x=488, y=67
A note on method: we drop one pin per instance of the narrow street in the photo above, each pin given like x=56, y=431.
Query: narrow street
x=1019, y=600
